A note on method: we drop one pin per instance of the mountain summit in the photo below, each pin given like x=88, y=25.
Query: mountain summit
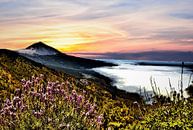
x=39, y=48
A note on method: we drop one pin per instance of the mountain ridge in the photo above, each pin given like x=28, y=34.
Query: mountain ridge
x=76, y=66
x=41, y=45
x=78, y=61
x=39, y=48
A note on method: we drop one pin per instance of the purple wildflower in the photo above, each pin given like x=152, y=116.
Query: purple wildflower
x=36, y=80
x=37, y=95
x=62, y=92
x=99, y=119
x=79, y=99
x=8, y=102
x=66, y=98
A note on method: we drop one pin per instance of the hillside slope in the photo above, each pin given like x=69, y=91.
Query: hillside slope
x=14, y=67
x=111, y=101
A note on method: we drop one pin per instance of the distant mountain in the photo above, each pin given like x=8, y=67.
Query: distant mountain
x=39, y=48
x=186, y=56
x=51, y=57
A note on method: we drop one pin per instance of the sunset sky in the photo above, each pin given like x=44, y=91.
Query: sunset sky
x=98, y=26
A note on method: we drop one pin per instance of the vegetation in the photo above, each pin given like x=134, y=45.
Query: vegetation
x=175, y=114
x=47, y=99
x=43, y=105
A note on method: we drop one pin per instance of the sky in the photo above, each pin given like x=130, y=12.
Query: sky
x=98, y=26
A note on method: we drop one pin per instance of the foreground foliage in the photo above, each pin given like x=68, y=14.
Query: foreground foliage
x=173, y=112
x=42, y=105
x=176, y=116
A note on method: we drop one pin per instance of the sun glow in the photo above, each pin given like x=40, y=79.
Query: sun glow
x=65, y=43
x=80, y=37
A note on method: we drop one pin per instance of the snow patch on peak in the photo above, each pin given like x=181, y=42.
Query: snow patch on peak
x=41, y=51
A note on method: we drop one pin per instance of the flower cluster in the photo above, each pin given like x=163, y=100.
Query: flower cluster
x=50, y=103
